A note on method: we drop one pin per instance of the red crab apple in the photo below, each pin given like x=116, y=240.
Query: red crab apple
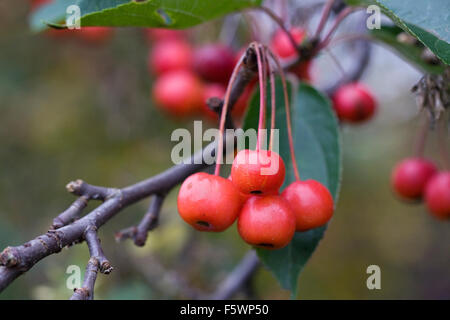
x=161, y=34
x=437, y=195
x=410, y=177
x=169, y=55
x=214, y=62
x=208, y=202
x=258, y=172
x=267, y=222
x=311, y=203
x=178, y=92
x=282, y=45
x=354, y=103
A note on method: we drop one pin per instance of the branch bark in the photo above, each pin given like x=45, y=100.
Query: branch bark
x=239, y=276
x=149, y=222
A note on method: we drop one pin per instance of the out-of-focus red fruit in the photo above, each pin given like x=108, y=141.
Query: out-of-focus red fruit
x=437, y=195
x=59, y=33
x=354, y=103
x=410, y=177
x=214, y=62
x=180, y=93
x=94, y=34
x=158, y=34
x=282, y=45
x=169, y=55
x=210, y=91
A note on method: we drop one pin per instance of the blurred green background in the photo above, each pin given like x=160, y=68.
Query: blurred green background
x=72, y=110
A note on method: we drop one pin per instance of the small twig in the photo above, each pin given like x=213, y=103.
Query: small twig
x=422, y=134
x=325, y=15
x=97, y=262
x=281, y=24
x=338, y=6
x=139, y=233
x=126, y=233
x=86, y=292
x=350, y=37
x=336, y=61
x=150, y=220
x=362, y=58
x=81, y=188
x=216, y=105
x=71, y=214
x=443, y=141
x=237, y=278
x=86, y=192
x=96, y=250
x=341, y=16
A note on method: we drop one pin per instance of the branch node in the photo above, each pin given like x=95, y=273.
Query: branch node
x=96, y=251
x=74, y=186
x=106, y=267
x=9, y=258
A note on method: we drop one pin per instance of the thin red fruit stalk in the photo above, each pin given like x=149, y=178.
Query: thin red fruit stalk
x=273, y=105
x=342, y=15
x=288, y=115
x=223, y=115
x=262, y=87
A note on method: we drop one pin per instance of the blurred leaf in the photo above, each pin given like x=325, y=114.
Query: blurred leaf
x=388, y=35
x=317, y=149
x=428, y=21
x=176, y=14
x=51, y=13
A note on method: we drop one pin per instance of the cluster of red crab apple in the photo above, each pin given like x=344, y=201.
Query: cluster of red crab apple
x=187, y=77
x=266, y=218
x=417, y=178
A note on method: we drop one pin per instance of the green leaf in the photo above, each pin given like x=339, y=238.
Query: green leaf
x=317, y=149
x=428, y=21
x=52, y=13
x=388, y=35
x=176, y=14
